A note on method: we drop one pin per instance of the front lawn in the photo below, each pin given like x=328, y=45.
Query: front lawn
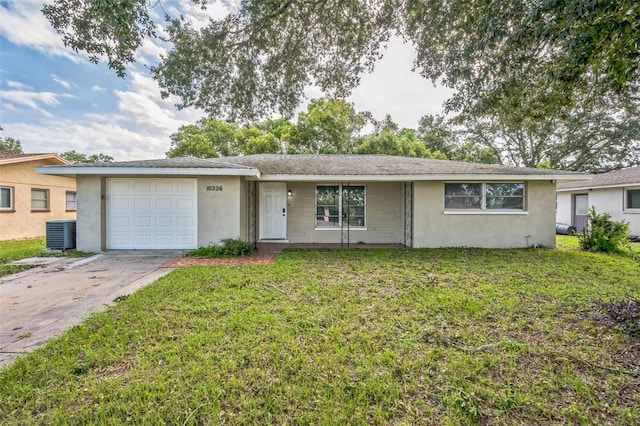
x=16, y=250
x=451, y=336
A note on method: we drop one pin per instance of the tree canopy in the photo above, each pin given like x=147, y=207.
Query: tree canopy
x=74, y=156
x=9, y=145
x=328, y=126
x=259, y=58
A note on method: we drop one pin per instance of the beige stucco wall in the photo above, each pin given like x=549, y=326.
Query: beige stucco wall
x=433, y=227
x=219, y=212
x=384, y=215
x=610, y=200
x=22, y=222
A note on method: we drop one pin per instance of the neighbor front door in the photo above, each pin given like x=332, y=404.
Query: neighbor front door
x=273, y=211
x=580, y=210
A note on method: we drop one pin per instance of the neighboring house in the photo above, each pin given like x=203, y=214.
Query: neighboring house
x=616, y=192
x=183, y=203
x=28, y=199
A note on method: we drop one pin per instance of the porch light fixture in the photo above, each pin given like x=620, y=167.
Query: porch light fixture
x=289, y=193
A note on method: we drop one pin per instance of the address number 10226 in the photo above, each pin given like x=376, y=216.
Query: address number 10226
x=214, y=187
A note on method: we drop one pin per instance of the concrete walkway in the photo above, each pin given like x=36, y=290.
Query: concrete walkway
x=43, y=302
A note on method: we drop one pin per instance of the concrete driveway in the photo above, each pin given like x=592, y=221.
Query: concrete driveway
x=45, y=301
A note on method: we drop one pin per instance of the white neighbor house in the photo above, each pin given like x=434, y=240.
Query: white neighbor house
x=616, y=192
x=184, y=203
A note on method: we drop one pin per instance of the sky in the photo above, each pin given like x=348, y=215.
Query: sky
x=54, y=100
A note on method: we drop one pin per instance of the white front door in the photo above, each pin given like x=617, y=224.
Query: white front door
x=273, y=211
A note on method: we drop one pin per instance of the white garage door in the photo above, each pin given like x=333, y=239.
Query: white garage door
x=151, y=213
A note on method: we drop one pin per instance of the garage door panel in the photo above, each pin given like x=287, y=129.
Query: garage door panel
x=151, y=213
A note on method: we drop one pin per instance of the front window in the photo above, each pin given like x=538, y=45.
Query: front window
x=633, y=199
x=340, y=205
x=484, y=196
x=6, y=198
x=40, y=199
x=70, y=201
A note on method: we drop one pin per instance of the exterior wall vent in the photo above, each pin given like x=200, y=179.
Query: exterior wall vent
x=61, y=234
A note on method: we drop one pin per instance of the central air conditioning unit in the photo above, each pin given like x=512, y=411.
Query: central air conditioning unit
x=61, y=234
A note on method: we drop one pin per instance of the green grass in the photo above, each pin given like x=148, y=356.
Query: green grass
x=16, y=250
x=21, y=249
x=451, y=336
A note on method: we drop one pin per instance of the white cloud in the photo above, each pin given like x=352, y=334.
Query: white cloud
x=67, y=85
x=17, y=85
x=32, y=100
x=23, y=24
x=99, y=89
x=394, y=89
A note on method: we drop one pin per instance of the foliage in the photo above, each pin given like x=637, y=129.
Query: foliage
x=258, y=59
x=625, y=314
x=329, y=126
x=18, y=249
x=592, y=137
x=74, y=156
x=449, y=336
x=9, y=145
x=228, y=247
x=602, y=233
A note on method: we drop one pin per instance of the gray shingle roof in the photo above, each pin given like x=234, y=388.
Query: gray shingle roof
x=372, y=165
x=166, y=163
x=630, y=176
x=330, y=165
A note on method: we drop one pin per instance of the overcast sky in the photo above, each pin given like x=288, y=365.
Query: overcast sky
x=54, y=100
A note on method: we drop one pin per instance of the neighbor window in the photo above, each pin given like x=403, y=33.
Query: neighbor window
x=633, y=198
x=484, y=196
x=40, y=199
x=6, y=198
x=70, y=201
x=340, y=205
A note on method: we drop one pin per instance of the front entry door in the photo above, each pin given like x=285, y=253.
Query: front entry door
x=273, y=211
x=580, y=210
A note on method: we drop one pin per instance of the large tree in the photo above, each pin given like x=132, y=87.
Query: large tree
x=596, y=136
x=260, y=57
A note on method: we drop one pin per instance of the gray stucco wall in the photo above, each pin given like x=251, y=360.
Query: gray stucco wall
x=433, y=227
x=90, y=220
x=219, y=212
x=384, y=215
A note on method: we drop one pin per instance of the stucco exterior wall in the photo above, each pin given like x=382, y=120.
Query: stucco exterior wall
x=90, y=225
x=610, y=200
x=384, y=215
x=434, y=227
x=22, y=222
x=564, y=208
x=219, y=212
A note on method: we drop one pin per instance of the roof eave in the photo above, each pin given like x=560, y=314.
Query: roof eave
x=586, y=188
x=416, y=177
x=27, y=158
x=145, y=171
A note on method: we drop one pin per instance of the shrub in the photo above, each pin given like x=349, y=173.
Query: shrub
x=602, y=233
x=228, y=247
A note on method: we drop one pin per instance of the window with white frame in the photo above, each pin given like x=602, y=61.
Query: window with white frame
x=340, y=205
x=70, y=201
x=39, y=199
x=498, y=196
x=633, y=199
x=6, y=198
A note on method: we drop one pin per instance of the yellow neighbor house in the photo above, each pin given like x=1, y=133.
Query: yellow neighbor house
x=28, y=199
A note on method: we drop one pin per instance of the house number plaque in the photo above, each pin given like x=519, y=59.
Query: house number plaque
x=214, y=188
